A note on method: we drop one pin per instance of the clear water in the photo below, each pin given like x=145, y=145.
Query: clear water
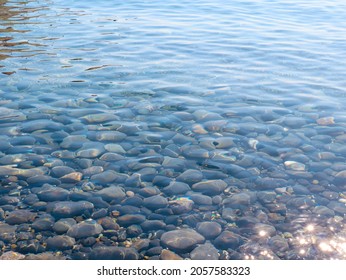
x=268, y=74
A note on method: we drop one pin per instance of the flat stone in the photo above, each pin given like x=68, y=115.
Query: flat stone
x=12, y=256
x=69, y=209
x=130, y=219
x=113, y=193
x=155, y=202
x=20, y=217
x=85, y=229
x=181, y=240
x=49, y=193
x=60, y=242
x=175, y=188
x=63, y=225
x=228, y=240
x=73, y=177
x=210, y=187
x=113, y=253
x=209, y=230
x=190, y=176
x=169, y=255
x=205, y=252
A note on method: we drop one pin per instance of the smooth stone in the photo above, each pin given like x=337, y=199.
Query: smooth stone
x=99, y=118
x=176, y=164
x=115, y=148
x=242, y=198
x=134, y=180
x=110, y=136
x=338, y=207
x=108, y=223
x=44, y=223
x=73, y=177
x=9, y=200
x=228, y=240
x=190, y=176
x=176, y=188
x=61, y=242
x=113, y=193
x=134, y=231
x=323, y=211
x=181, y=240
x=210, y=187
x=113, y=253
x=169, y=255
x=20, y=217
x=266, y=196
x=201, y=199
x=59, y=171
x=130, y=219
x=181, y=205
x=279, y=245
x=155, y=202
x=99, y=214
x=35, y=125
x=22, y=140
x=73, y=142
x=63, y=225
x=40, y=180
x=10, y=255
x=340, y=178
x=152, y=225
x=69, y=209
x=209, y=230
x=85, y=229
x=105, y=178
x=7, y=232
x=44, y=256
x=49, y=193
x=294, y=165
x=264, y=230
x=111, y=157
x=92, y=170
x=204, y=252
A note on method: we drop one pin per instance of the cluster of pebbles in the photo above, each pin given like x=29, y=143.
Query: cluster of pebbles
x=128, y=177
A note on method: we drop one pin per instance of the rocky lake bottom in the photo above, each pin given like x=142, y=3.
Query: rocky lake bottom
x=129, y=168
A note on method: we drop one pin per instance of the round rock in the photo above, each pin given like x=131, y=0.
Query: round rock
x=209, y=230
x=85, y=229
x=181, y=240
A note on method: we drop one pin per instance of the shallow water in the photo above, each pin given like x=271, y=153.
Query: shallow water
x=128, y=96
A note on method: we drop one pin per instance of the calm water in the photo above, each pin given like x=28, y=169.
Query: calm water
x=248, y=96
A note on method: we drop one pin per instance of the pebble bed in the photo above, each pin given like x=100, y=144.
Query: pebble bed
x=92, y=169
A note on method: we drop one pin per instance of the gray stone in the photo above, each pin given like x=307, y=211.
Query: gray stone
x=113, y=253
x=155, y=202
x=113, y=193
x=204, y=252
x=210, y=187
x=190, y=176
x=69, y=209
x=85, y=229
x=63, y=225
x=60, y=242
x=228, y=240
x=20, y=217
x=209, y=230
x=181, y=240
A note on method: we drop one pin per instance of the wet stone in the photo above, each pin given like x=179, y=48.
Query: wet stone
x=61, y=242
x=236, y=199
x=181, y=205
x=69, y=209
x=113, y=193
x=278, y=245
x=130, y=219
x=338, y=207
x=63, y=225
x=113, y=253
x=134, y=231
x=323, y=211
x=204, y=252
x=44, y=223
x=169, y=255
x=105, y=178
x=176, y=188
x=7, y=232
x=85, y=229
x=209, y=230
x=264, y=230
x=190, y=176
x=210, y=187
x=40, y=180
x=201, y=199
x=228, y=240
x=73, y=177
x=266, y=196
x=20, y=217
x=49, y=193
x=35, y=125
x=59, y=171
x=340, y=178
x=181, y=240
x=10, y=255
x=155, y=202
x=8, y=200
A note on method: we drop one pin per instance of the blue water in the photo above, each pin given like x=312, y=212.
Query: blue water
x=270, y=73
